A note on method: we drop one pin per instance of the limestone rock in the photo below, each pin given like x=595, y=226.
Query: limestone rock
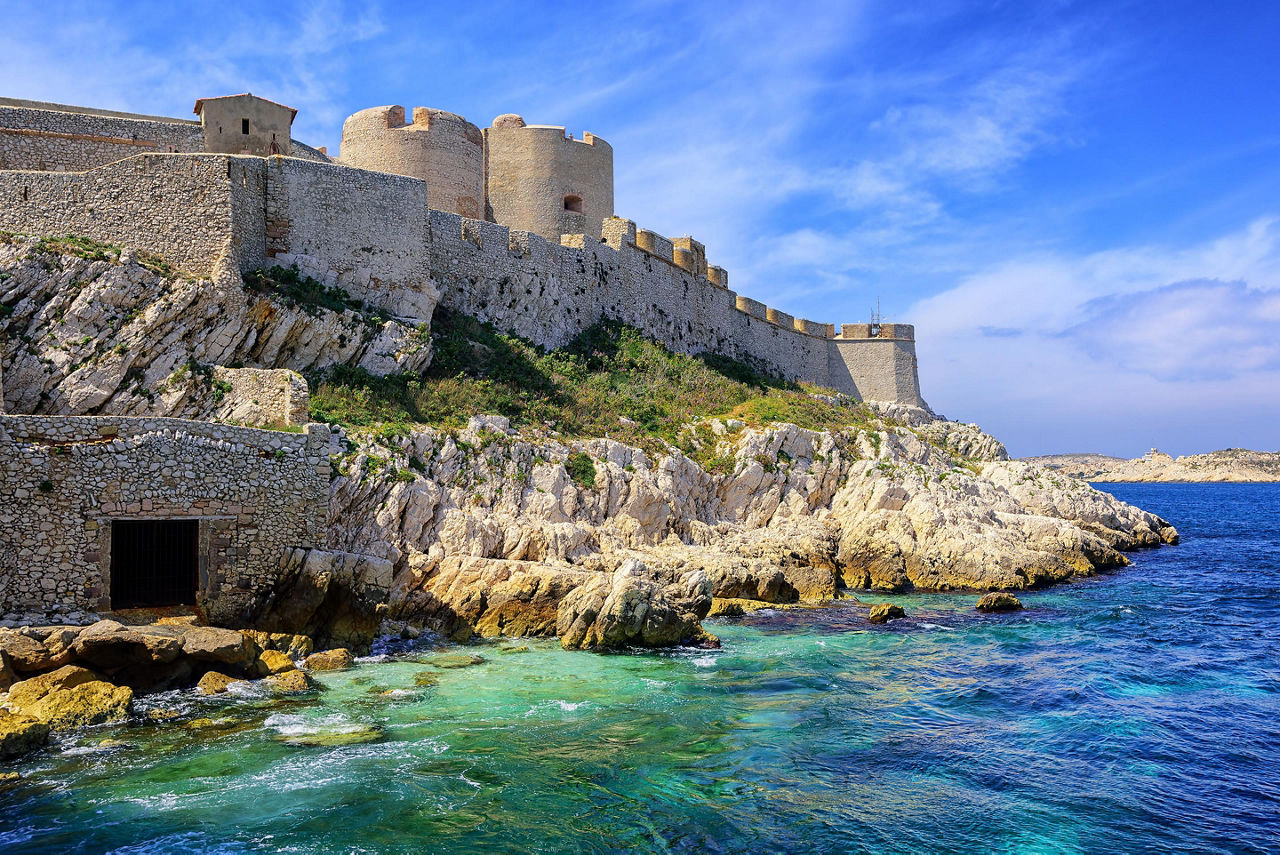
x=338, y=659
x=614, y=610
x=214, y=683
x=295, y=646
x=885, y=612
x=334, y=598
x=293, y=682
x=353, y=735
x=998, y=601
x=68, y=698
x=273, y=662
x=733, y=607
x=20, y=734
x=27, y=692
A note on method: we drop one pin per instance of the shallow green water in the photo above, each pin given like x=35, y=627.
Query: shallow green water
x=1117, y=714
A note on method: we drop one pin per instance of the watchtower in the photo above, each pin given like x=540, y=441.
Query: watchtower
x=542, y=180
x=442, y=149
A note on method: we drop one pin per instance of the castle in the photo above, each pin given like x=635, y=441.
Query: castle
x=513, y=224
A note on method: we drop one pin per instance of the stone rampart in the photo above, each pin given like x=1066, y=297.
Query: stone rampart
x=255, y=495
x=39, y=136
x=373, y=234
x=178, y=206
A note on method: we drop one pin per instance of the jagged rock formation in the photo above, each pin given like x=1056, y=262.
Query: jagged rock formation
x=112, y=336
x=1231, y=464
x=489, y=533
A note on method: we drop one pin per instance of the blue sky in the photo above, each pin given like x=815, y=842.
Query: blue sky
x=1077, y=203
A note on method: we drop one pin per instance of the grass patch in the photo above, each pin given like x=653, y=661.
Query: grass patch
x=303, y=292
x=92, y=250
x=610, y=380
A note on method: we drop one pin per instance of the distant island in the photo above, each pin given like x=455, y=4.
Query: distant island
x=1230, y=464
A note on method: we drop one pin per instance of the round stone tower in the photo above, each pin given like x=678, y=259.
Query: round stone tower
x=542, y=180
x=443, y=149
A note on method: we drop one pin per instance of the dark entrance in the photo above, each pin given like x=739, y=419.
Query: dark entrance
x=154, y=563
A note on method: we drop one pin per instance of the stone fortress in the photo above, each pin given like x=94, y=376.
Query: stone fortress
x=513, y=224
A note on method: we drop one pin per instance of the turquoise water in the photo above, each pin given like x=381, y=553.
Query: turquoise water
x=1139, y=711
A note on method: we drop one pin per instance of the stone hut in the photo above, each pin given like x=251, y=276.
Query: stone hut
x=245, y=124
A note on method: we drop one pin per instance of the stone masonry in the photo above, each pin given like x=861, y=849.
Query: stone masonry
x=256, y=494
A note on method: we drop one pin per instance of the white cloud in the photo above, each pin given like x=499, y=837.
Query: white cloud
x=1115, y=350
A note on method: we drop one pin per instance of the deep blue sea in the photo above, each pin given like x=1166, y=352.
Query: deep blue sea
x=1135, y=712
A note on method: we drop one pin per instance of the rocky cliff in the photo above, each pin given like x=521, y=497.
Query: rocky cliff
x=490, y=533
x=1231, y=464
x=491, y=530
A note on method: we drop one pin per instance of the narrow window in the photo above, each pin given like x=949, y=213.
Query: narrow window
x=573, y=203
x=244, y=126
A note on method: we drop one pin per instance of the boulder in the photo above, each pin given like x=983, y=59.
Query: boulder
x=28, y=653
x=273, y=662
x=28, y=692
x=214, y=644
x=736, y=607
x=214, y=683
x=293, y=682
x=998, y=601
x=338, y=659
x=20, y=734
x=110, y=644
x=885, y=612
x=7, y=675
x=82, y=705
x=626, y=607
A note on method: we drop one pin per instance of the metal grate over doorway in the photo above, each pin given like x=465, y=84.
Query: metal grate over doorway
x=154, y=563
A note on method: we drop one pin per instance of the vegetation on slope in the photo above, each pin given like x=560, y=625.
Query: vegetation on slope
x=610, y=381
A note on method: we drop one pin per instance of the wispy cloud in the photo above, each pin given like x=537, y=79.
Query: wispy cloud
x=1188, y=336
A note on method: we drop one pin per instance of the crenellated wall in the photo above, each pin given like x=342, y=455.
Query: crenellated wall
x=374, y=234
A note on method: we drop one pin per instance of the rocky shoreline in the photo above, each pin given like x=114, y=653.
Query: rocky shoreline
x=1236, y=465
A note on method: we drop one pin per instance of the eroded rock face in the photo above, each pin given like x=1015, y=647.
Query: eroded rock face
x=492, y=537
x=119, y=338
x=334, y=598
x=626, y=607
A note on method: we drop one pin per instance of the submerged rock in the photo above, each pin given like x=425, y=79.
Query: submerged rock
x=338, y=659
x=998, y=601
x=332, y=738
x=456, y=660
x=885, y=612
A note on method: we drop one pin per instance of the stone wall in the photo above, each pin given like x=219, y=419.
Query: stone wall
x=55, y=137
x=374, y=235
x=369, y=229
x=178, y=206
x=63, y=480
x=39, y=136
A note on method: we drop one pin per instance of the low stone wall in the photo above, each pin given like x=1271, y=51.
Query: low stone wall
x=55, y=137
x=64, y=480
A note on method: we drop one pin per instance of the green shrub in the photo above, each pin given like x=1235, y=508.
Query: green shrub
x=581, y=468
